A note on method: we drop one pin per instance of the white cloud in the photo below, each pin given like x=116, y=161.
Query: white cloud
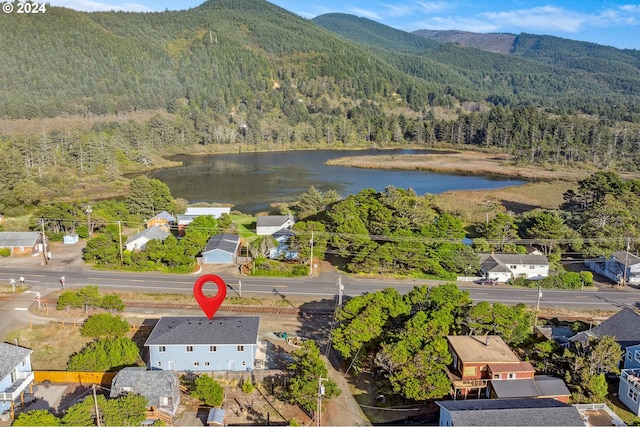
x=365, y=13
x=545, y=18
x=94, y=6
x=431, y=7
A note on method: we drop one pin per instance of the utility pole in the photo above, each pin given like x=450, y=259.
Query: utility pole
x=311, y=258
x=95, y=402
x=626, y=264
x=320, y=395
x=44, y=243
x=120, y=236
x=88, y=211
x=340, y=289
x=538, y=306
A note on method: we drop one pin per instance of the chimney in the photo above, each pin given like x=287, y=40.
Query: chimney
x=487, y=342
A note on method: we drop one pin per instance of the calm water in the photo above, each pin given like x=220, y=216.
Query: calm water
x=252, y=181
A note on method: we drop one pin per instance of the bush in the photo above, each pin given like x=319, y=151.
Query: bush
x=569, y=280
x=100, y=325
x=208, y=391
x=105, y=354
x=5, y=252
x=247, y=386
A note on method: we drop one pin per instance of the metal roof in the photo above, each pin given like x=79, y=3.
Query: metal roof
x=538, y=386
x=18, y=238
x=200, y=330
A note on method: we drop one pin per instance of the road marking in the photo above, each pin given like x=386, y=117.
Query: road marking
x=21, y=309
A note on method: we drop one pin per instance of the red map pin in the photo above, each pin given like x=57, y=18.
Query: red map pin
x=210, y=304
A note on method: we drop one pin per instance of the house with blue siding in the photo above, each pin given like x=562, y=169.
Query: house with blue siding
x=629, y=389
x=198, y=344
x=221, y=249
x=16, y=376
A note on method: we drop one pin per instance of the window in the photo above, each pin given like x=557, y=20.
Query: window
x=189, y=349
x=240, y=348
x=636, y=355
x=511, y=376
x=244, y=363
x=196, y=363
x=633, y=395
x=162, y=349
x=629, y=354
x=531, y=267
x=497, y=376
x=159, y=363
x=206, y=363
x=513, y=267
x=213, y=348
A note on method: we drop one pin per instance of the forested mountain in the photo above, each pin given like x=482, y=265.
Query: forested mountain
x=245, y=74
x=560, y=75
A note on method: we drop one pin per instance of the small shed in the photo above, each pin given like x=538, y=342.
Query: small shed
x=216, y=417
x=71, y=239
x=221, y=249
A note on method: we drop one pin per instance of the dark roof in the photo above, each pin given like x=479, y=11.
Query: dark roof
x=491, y=264
x=624, y=326
x=202, y=331
x=624, y=257
x=151, y=384
x=539, y=386
x=10, y=357
x=18, y=238
x=223, y=242
x=512, y=412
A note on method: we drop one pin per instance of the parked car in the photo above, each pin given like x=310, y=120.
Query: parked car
x=488, y=281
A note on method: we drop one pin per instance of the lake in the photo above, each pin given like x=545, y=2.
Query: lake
x=252, y=181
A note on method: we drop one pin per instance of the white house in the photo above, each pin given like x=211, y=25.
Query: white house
x=192, y=213
x=139, y=241
x=16, y=376
x=268, y=224
x=502, y=267
x=619, y=266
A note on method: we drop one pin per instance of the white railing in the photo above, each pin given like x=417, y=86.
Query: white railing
x=23, y=380
x=600, y=407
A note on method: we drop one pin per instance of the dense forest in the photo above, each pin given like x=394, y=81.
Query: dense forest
x=246, y=75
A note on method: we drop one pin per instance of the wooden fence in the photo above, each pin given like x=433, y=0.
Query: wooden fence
x=100, y=378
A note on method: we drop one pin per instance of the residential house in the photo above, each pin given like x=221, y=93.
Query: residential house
x=631, y=357
x=629, y=389
x=161, y=388
x=479, y=359
x=199, y=344
x=164, y=220
x=620, y=266
x=282, y=250
x=21, y=242
x=140, y=240
x=508, y=412
x=624, y=326
x=268, y=224
x=71, y=239
x=503, y=267
x=540, y=386
x=192, y=213
x=16, y=376
x=221, y=249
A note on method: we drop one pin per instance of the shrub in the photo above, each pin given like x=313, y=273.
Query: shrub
x=247, y=386
x=208, y=391
x=100, y=325
x=5, y=252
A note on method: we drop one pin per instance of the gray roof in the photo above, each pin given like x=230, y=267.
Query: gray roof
x=10, y=357
x=151, y=233
x=151, y=384
x=624, y=326
x=272, y=220
x=18, y=238
x=202, y=331
x=164, y=215
x=512, y=412
x=223, y=242
x=215, y=417
x=517, y=259
x=539, y=386
x=625, y=257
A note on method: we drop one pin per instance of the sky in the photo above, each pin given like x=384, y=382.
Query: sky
x=607, y=22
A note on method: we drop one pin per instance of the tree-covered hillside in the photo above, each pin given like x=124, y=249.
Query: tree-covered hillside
x=560, y=75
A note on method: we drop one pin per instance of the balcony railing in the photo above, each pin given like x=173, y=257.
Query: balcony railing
x=23, y=380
